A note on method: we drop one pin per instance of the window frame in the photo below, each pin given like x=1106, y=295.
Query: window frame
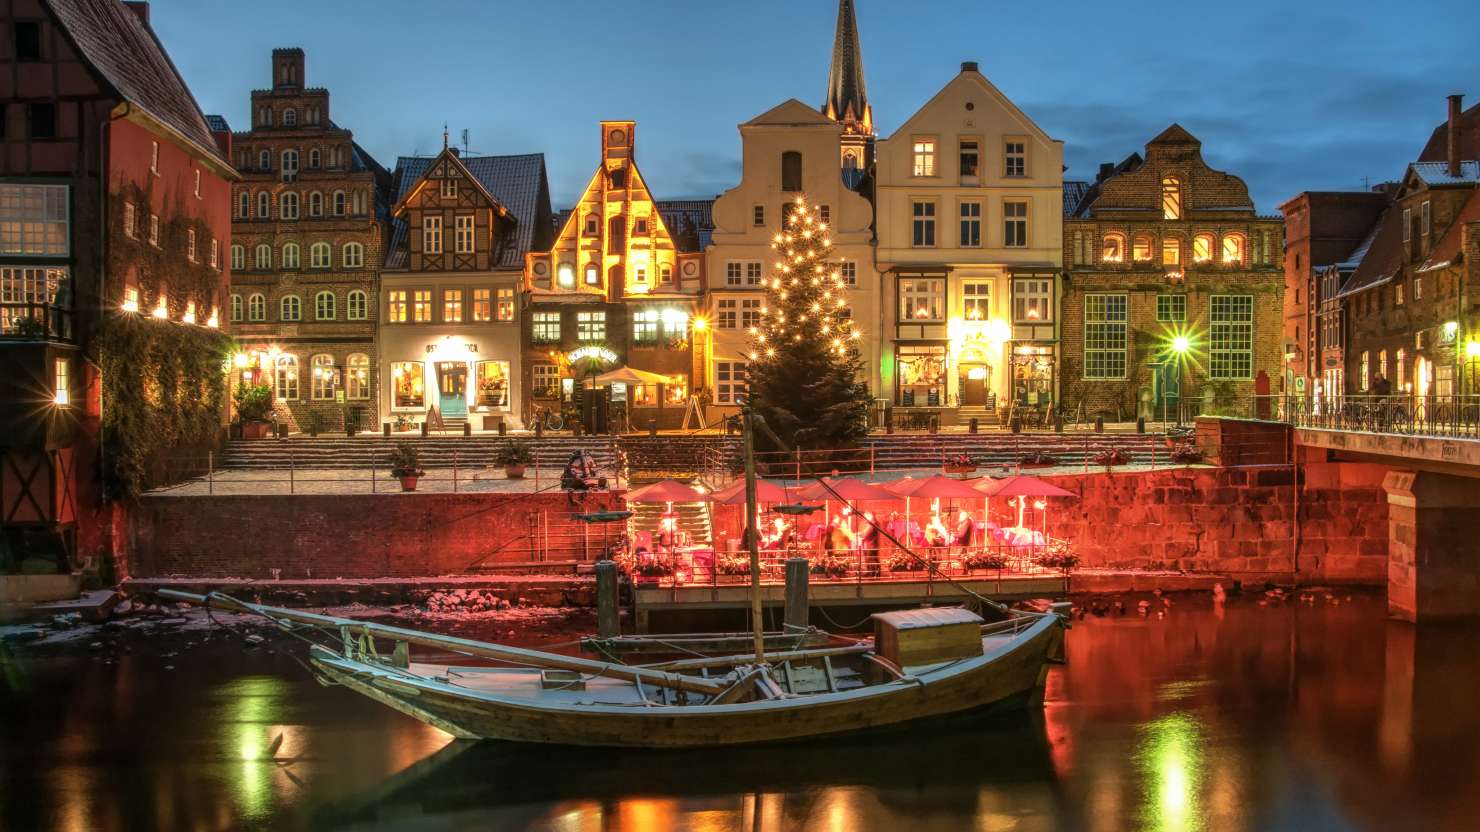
x=1229, y=330
x=970, y=233
x=1024, y=302
x=285, y=378
x=323, y=312
x=357, y=376
x=431, y=234
x=731, y=380
x=357, y=305
x=256, y=308
x=1019, y=222
x=923, y=216
x=929, y=290
x=290, y=309
x=462, y=233
x=923, y=156
x=315, y=261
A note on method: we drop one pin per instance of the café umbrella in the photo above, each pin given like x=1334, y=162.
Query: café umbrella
x=1022, y=487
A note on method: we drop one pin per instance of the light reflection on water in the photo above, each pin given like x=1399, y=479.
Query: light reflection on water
x=1297, y=717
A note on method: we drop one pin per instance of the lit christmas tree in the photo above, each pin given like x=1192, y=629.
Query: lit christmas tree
x=804, y=366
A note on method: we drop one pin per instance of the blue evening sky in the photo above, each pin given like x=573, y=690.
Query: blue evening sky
x=1292, y=96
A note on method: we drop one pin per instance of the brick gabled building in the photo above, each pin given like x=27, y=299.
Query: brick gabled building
x=308, y=226
x=1411, y=310
x=114, y=216
x=1174, y=287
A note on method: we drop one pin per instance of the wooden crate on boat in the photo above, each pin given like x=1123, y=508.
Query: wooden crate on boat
x=927, y=636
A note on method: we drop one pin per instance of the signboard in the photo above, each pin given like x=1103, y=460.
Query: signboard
x=339, y=396
x=600, y=353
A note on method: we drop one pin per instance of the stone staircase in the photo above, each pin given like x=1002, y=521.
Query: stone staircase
x=435, y=451
x=691, y=517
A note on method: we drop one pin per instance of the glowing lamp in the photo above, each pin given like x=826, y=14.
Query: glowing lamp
x=214, y=322
x=131, y=305
x=62, y=397
x=1472, y=349
x=700, y=324
x=161, y=311
x=189, y=317
x=240, y=360
x=566, y=274
x=1181, y=343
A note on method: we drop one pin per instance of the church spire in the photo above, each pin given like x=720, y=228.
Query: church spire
x=847, y=98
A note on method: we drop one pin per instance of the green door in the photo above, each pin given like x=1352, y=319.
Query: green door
x=1167, y=390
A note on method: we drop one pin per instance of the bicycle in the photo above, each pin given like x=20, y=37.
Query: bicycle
x=550, y=418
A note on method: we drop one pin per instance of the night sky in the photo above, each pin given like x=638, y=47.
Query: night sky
x=1291, y=96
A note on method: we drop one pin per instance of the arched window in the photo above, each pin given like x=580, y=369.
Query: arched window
x=353, y=256
x=1202, y=248
x=791, y=171
x=358, y=204
x=1171, y=198
x=236, y=308
x=243, y=205
x=318, y=256
x=1171, y=251
x=291, y=256
x=286, y=377
x=264, y=204
x=264, y=160
x=315, y=204
x=314, y=159
x=1233, y=249
x=357, y=376
x=1113, y=250
x=288, y=205
x=290, y=117
x=1141, y=251
x=850, y=160
x=323, y=306
x=290, y=308
x=263, y=260
x=339, y=203
x=333, y=157
x=357, y=307
x=238, y=257
x=593, y=275
x=256, y=308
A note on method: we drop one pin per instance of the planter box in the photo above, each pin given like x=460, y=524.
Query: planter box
x=514, y=472
x=254, y=430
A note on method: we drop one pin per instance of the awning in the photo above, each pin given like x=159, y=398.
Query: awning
x=628, y=375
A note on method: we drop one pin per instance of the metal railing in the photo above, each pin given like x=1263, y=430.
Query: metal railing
x=35, y=321
x=1408, y=415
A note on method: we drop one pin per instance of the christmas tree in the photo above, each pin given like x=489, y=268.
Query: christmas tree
x=804, y=366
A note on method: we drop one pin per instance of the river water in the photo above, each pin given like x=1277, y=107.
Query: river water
x=1299, y=716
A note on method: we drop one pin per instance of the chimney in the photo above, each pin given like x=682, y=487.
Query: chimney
x=969, y=66
x=1454, y=128
x=1105, y=168
x=140, y=8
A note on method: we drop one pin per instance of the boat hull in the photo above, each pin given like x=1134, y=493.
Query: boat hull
x=1008, y=675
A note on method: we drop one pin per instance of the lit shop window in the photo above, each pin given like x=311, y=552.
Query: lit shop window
x=409, y=384
x=493, y=384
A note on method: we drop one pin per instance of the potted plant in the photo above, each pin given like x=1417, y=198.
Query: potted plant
x=904, y=562
x=984, y=561
x=406, y=465
x=1038, y=459
x=650, y=569
x=1110, y=457
x=733, y=563
x=828, y=565
x=960, y=464
x=1060, y=557
x=514, y=456
x=403, y=423
x=253, y=404
x=1186, y=453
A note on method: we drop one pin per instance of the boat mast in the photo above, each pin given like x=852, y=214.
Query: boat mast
x=752, y=537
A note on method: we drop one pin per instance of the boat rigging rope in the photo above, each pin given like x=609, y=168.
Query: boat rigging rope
x=823, y=612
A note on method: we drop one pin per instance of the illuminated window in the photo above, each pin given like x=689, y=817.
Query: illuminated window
x=924, y=224
x=1400, y=367
x=324, y=377
x=590, y=326
x=409, y=383
x=1171, y=251
x=130, y=220
x=285, y=377
x=357, y=306
x=256, y=308
x=190, y=253
x=1171, y=308
x=725, y=317
x=1112, y=249
x=593, y=275
x=1362, y=380
x=645, y=326
x=397, y=306
x=921, y=299
x=971, y=224
x=1398, y=294
x=1171, y=198
x=482, y=305
x=431, y=235
x=506, y=304
x=639, y=274
x=288, y=205
x=290, y=308
x=750, y=312
x=61, y=383
x=1202, y=248
x=1032, y=300
x=1015, y=158
x=197, y=184
x=421, y=306
x=291, y=258
x=263, y=259
x=449, y=189
x=492, y=378
x=976, y=300
x=463, y=233
x=546, y=380
x=323, y=306
x=970, y=161
x=924, y=157
x=1231, y=337
x=1015, y=224
x=357, y=376
x=1233, y=248
x=319, y=255
x=1141, y=250
x=236, y=308
x=1104, y=336
x=545, y=327
x=729, y=382
x=154, y=157
x=452, y=306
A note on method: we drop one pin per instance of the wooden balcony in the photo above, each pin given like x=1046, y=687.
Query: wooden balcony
x=35, y=322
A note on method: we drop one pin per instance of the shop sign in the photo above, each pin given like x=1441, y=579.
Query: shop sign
x=466, y=346
x=592, y=351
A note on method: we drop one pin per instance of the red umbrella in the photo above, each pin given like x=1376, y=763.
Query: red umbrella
x=937, y=487
x=734, y=493
x=667, y=491
x=848, y=489
x=1022, y=486
x=902, y=486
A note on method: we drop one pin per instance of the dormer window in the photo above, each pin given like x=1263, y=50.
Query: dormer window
x=449, y=189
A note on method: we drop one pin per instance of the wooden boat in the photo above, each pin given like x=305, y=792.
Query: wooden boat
x=921, y=664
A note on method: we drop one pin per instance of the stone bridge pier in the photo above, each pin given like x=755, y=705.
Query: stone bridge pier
x=1433, y=545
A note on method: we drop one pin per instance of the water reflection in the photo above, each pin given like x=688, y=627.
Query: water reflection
x=1297, y=716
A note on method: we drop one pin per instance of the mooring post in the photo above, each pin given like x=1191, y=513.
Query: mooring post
x=606, y=600
x=795, y=617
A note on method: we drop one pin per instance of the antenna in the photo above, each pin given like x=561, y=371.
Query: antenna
x=465, y=141
x=1366, y=183
x=444, y=135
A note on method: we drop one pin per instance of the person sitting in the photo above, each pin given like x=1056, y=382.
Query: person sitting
x=838, y=538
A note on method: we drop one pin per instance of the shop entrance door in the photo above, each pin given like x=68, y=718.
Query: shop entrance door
x=452, y=387
x=974, y=384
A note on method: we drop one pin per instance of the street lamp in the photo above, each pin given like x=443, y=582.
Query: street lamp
x=1181, y=344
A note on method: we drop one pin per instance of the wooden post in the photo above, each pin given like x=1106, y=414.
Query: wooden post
x=796, y=595
x=752, y=541
x=606, y=600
